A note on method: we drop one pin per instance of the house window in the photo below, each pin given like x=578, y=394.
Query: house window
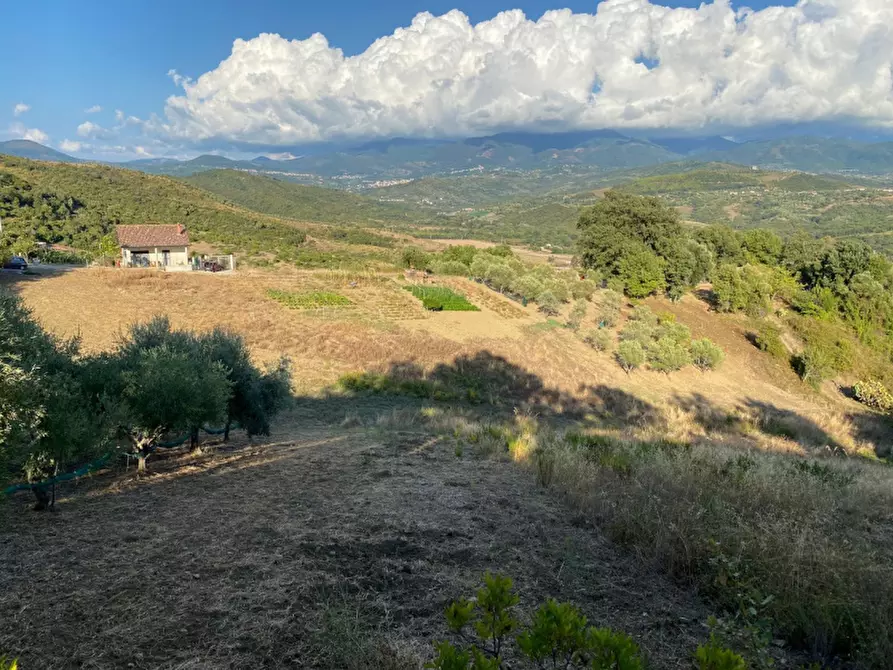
x=139, y=259
x=165, y=257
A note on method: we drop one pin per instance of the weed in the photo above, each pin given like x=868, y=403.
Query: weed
x=440, y=298
x=313, y=300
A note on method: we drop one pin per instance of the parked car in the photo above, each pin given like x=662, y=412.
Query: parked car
x=16, y=263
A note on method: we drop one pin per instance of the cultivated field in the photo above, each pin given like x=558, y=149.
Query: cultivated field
x=337, y=542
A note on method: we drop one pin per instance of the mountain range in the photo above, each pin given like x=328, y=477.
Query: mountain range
x=379, y=162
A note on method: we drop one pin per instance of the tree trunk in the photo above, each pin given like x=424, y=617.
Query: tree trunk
x=141, y=463
x=229, y=423
x=43, y=498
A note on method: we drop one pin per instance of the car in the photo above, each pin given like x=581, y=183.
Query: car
x=16, y=263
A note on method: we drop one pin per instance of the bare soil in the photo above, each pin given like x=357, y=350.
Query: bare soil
x=240, y=558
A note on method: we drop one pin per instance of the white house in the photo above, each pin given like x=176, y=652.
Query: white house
x=161, y=246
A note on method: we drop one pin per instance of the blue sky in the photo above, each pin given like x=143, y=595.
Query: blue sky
x=77, y=55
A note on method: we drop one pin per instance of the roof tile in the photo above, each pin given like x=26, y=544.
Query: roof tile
x=152, y=236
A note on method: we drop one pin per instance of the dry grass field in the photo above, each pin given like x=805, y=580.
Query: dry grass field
x=337, y=542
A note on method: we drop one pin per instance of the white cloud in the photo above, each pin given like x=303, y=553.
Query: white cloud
x=715, y=67
x=119, y=115
x=20, y=109
x=95, y=109
x=71, y=146
x=19, y=131
x=94, y=131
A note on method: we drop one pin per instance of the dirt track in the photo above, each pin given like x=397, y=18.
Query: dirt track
x=239, y=559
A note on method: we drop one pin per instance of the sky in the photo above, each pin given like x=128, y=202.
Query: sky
x=153, y=78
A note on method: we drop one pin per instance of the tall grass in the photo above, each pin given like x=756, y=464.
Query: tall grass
x=805, y=545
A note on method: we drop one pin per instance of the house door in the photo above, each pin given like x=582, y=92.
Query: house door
x=165, y=257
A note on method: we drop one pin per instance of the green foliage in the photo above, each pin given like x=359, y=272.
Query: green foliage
x=609, y=308
x=724, y=244
x=440, y=298
x=642, y=273
x=558, y=633
x=79, y=205
x=713, y=656
x=312, y=300
x=583, y=289
x=667, y=354
x=706, y=354
x=762, y=246
x=578, y=313
x=8, y=664
x=413, y=257
x=873, y=393
x=612, y=650
x=768, y=339
x=548, y=304
x=814, y=365
x=630, y=355
x=631, y=237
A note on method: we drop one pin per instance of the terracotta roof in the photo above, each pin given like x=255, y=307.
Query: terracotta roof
x=152, y=236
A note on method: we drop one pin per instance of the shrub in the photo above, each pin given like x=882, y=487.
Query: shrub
x=456, y=268
x=642, y=273
x=668, y=355
x=7, y=664
x=527, y=286
x=768, y=339
x=706, y=354
x=583, y=289
x=548, y=303
x=609, y=309
x=578, y=313
x=600, y=340
x=413, y=257
x=630, y=355
x=814, y=365
x=558, y=635
x=713, y=656
x=873, y=393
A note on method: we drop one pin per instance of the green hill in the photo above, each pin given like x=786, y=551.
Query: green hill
x=303, y=203
x=34, y=151
x=77, y=204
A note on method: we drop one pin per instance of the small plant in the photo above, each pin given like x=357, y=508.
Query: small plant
x=609, y=309
x=713, y=656
x=558, y=636
x=313, y=300
x=668, y=355
x=706, y=354
x=7, y=664
x=873, y=393
x=630, y=355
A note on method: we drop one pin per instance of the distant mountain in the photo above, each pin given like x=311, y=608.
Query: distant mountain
x=689, y=146
x=538, y=142
x=811, y=154
x=34, y=151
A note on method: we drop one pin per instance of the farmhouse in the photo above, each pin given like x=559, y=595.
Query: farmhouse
x=162, y=246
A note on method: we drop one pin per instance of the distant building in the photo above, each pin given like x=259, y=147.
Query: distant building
x=161, y=246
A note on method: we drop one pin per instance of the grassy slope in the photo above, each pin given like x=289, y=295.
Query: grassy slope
x=307, y=203
x=111, y=195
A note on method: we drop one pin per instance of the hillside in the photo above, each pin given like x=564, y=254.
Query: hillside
x=77, y=204
x=303, y=203
x=34, y=151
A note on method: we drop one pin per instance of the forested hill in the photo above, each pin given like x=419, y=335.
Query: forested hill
x=304, y=203
x=79, y=204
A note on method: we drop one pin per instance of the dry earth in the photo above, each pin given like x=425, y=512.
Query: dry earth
x=323, y=548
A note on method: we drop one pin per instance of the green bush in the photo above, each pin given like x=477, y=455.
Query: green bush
x=713, y=656
x=583, y=289
x=609, y=308
x=7, y=664
x=578, y=313
x=768, y=339
x=413, y=257
x=630, y=355
x=706, y=354
x=440, y=298
x=873, y=393
x=668, y=355
x=558, y=635
x=548, y=304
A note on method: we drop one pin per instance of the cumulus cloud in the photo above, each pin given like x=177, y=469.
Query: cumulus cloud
x=71, y=146
x=19, y=131
x=20, y=109
x=95, y=109
x=632, y=64
x=94, y=131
